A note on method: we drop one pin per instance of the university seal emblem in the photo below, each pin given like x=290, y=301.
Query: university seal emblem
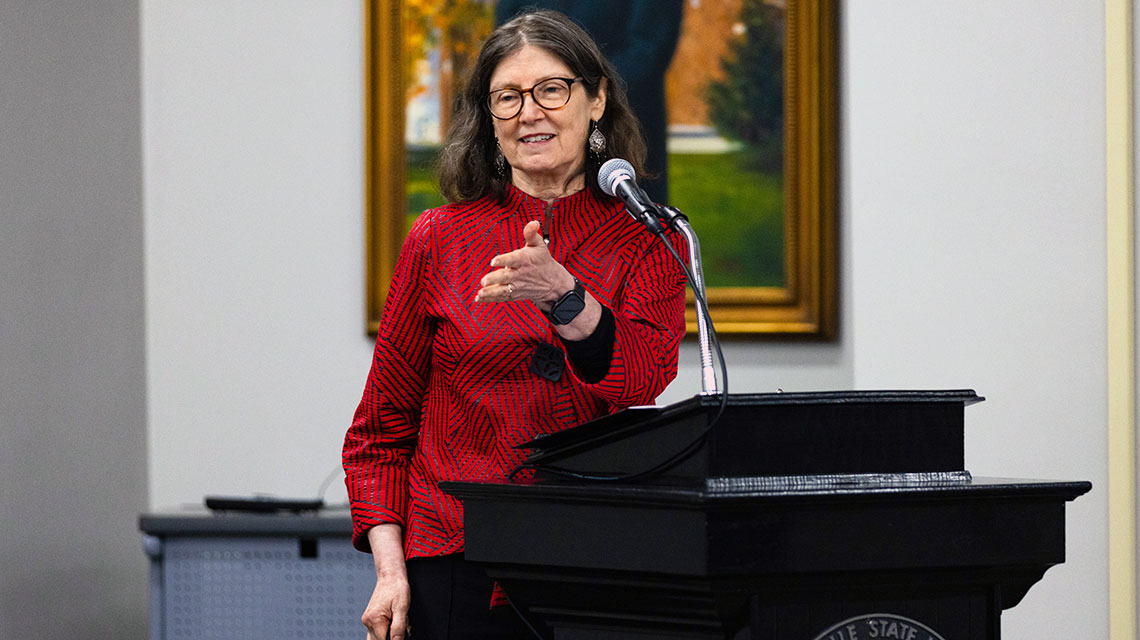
x=879, y=626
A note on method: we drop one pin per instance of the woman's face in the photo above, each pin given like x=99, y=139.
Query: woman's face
x=544, y=147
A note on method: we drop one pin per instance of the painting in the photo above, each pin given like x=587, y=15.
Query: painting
x=751, y=101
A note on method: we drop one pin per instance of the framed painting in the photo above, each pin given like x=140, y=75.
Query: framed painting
x=752, y=147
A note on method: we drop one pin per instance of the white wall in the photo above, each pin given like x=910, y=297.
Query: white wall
x=975, y=151
x=972, y=247
x=254, y=243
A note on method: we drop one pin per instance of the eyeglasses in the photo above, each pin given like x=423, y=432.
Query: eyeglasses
x=550, y=94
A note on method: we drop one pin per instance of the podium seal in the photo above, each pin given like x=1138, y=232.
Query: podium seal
x=879, y=626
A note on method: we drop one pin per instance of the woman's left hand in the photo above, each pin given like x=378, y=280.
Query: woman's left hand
x=529, y=273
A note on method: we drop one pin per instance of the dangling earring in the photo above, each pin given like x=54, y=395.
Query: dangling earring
x=597, y=140
x=500, y=161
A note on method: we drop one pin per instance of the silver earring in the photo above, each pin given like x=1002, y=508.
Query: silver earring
x=500, y=160
x=597, y=140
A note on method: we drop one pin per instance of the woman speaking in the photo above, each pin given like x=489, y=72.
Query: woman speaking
x=529, y=304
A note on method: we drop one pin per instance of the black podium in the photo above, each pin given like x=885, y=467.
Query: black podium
x=806, y=516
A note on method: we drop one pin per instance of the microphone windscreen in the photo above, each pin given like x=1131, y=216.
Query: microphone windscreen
x=611, y=170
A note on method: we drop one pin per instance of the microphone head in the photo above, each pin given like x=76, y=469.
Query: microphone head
x=611, y=170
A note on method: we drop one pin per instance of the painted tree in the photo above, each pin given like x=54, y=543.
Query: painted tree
x=748, y=104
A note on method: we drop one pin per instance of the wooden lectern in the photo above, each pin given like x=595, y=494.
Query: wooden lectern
x=797, y=516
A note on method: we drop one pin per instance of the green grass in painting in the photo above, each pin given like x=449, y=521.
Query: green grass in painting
x=422, y=190
x=736, y=211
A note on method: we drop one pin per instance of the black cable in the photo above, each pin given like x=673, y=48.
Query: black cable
x=689, y=449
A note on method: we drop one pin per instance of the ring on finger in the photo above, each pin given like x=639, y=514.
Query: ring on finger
x=510, y=291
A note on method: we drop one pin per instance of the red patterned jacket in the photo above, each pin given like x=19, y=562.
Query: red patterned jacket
x=450, y=392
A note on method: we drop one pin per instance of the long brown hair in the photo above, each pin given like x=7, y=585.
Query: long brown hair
x=466, y=164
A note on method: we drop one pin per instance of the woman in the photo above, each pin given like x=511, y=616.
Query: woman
x=529, y=304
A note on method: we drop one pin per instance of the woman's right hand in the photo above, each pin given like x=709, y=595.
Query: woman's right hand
x=386, y=615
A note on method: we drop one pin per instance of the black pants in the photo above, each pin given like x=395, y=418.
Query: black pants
x=451, y=600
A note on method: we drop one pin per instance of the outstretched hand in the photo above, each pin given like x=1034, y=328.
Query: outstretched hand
x=529, y=273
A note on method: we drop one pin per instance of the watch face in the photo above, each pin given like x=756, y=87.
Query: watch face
x=569, y=305
x=568, y=308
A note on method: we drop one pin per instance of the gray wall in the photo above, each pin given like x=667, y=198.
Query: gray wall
x=72, y=380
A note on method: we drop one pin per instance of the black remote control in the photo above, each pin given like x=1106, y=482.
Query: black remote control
x=262, y=504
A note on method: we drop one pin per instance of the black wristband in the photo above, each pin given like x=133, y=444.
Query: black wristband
x=591, y=356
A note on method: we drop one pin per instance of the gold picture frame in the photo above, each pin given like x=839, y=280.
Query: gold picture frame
x=805, y=307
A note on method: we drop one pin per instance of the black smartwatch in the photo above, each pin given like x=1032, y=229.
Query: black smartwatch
x=566, y=308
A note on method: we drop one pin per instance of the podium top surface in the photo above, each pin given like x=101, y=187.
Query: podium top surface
x=767, y=434
x=707, y=403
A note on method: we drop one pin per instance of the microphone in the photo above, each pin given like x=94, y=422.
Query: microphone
x=617, y=178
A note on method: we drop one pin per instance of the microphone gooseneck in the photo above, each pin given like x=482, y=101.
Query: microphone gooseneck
x=617, y=178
